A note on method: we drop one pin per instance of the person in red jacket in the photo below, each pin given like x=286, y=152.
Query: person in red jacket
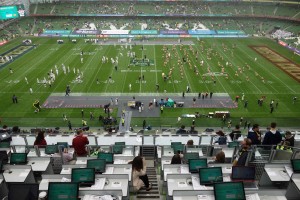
x=79, y=143
x=40, y=139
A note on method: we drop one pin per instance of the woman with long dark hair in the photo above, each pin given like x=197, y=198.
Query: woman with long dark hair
x=139, y=176
x=40, y=139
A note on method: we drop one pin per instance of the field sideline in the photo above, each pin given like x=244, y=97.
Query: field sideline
x=254, y=78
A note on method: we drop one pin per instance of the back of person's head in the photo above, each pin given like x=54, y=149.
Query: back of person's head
x=273, y=125
x=220, y=133
x=137, y=163
x=246, y=143
x=79, y=131
x=255, y=126
x=190, y=142
x=182, y=127
x=220, y=157
x=176, y=159
x=4, y=126
x=40, y=136
x=237, y=126
x=288, y=134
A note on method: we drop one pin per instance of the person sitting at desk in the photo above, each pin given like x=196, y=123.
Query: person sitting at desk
x=190, y=143
x=139, y=176
x=220, y=158
x=273, y=136
x=68, y=158
x=289, y=138
x=236, y=133
x=254, y=135
x=181, y=130
x=79, y=143
x=40, y=139
x=285, y=145
x=176, y=159
x=242, y=155
x=221, y=139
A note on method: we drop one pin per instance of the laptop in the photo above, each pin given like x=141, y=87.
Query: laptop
x=62, y=190
x=4, y=157
x=51, y=149
x=188, y=156
x=98, y=164
x=196, y=164
x=4, y=136
x=246, y=174
x=233, y=144
x=118, y=149
x=210, y=175
x=109, y=157
x=18, y=159
x=1, y=166
x=85, y=177
x=23, y=191
x=229, y=191
x=296, y=165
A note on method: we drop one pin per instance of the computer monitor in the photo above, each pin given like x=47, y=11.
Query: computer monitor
x=118, y=149
x=4, y=144
x=1, y=165
x=23, y=191
x=188, y=156
x=62, y=145
x=83, y=176
x=98, y=164
x=229, y=191
x=243, y=173
x=4, y=157
x=196, y=164
x=18, y=158
x=178, y=148
x=51, y=149
x=175, y=143
x=296, y=165
x=4, y=136
x=120, y=143
x=109, y=157
x=233, y=144
x=62, y=190
x=210, y=175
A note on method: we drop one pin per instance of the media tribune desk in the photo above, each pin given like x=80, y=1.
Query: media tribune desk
x=18, y=173
x=263, y=194
x=122, y=179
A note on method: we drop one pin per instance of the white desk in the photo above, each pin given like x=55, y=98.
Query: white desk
x=112, y=178
x=277, y=174
x=263, y=194
x=18, y=173
x=40, y=164
x=293, y=190
x=116, y=169
x=274, y=173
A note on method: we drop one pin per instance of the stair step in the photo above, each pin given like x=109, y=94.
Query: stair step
x=154, y=187
x=148, y=196
x=148, y=192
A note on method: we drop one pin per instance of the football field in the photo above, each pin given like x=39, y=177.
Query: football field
x=252, y=69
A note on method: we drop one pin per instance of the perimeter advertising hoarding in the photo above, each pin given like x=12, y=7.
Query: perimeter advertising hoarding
x=86, y=32
x=57, y=32
x=202, y=32
x=143, y=32
x=230, y=32
x=173, y=32
x=115, y=32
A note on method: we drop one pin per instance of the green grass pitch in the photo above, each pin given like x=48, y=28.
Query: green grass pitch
x=37, y=63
